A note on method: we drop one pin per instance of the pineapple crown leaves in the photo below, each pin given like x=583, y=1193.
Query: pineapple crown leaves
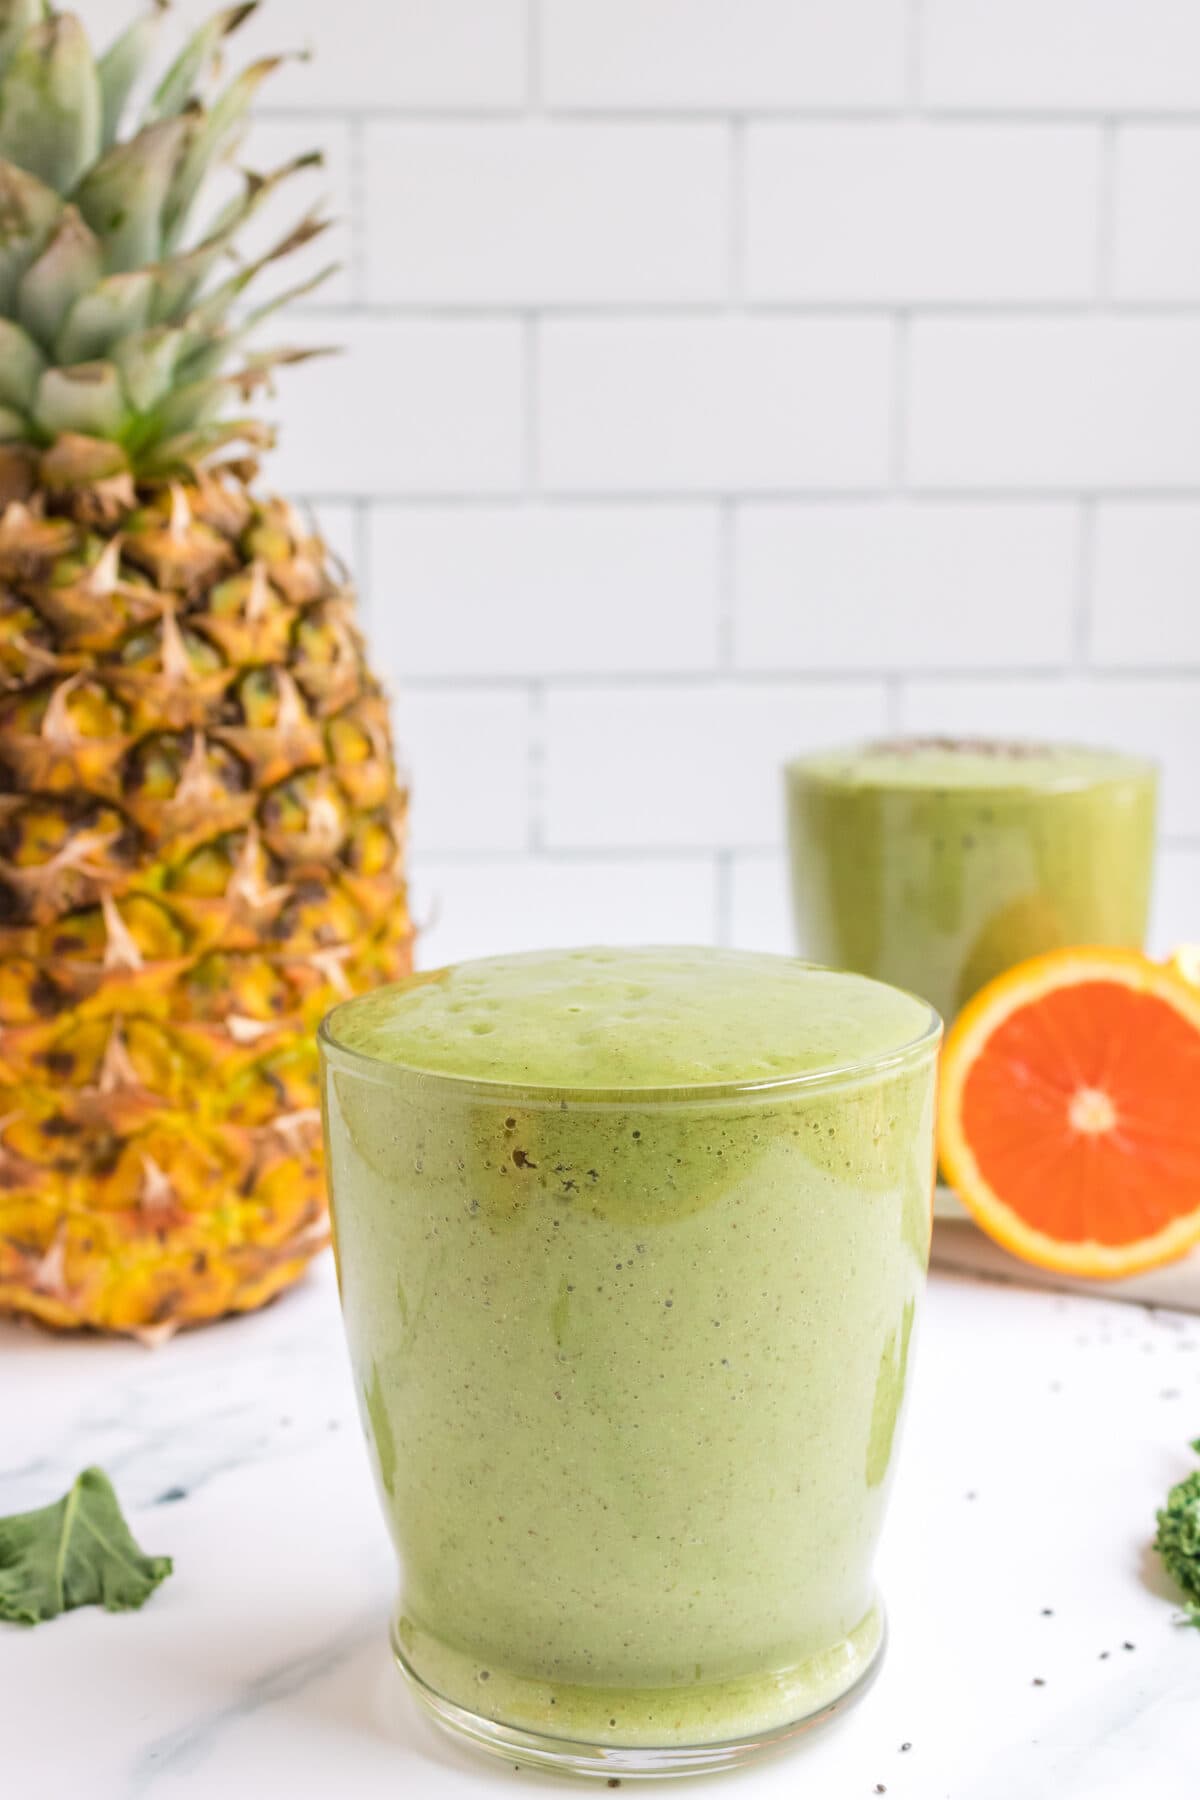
x=117, y=320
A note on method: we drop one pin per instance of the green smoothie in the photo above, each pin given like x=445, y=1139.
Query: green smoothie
x=938, y=864
x=630, y=1246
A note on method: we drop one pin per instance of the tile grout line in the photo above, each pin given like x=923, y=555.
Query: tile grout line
x=531, y=382
x=800, y=112
x=1081, y=623
x=844, y=675
x=359, y=218
x=727, y=530
x=637, y=854
x=535, y=824
x=657, y=499
x=723, y=895
x=736, y=223
x=898, y=400
x=913, y=54
x=1106, y=216
x=534, y=40
x=362, y=572
x=902, y=342
x=817, y=310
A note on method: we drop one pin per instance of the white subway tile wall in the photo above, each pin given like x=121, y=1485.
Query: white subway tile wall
x=417, y=405
x=884, y=586
x=722, y=55
x=714, y=405
x=1065, y=403
x=1073, y=55
x=1145, y=594
x=725, y=377
x=494, y=591
x=921, y=210
x=1156, y=235
x=472, y=751
x=541, y=213
x=686, y=765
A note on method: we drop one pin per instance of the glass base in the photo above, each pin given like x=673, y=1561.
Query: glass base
x=725, y=1725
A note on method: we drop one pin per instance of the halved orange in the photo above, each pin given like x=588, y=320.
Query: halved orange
x=1070, y=1111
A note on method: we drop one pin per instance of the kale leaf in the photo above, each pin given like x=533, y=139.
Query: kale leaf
x=1178, y=1539
x=78, y=1552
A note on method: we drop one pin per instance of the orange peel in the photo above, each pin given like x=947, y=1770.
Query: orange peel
x=1070, y=1111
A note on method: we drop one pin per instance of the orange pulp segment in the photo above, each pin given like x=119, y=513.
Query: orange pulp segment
x=1070, y=1111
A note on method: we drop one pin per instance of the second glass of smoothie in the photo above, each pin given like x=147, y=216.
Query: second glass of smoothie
x=937, y=864
x=630, y=1247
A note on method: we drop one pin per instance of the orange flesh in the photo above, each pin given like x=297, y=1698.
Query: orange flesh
x=1043, y=1077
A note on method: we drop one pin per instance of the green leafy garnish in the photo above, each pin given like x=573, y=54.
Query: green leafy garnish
x=1178, y=1539
x=78, y=1552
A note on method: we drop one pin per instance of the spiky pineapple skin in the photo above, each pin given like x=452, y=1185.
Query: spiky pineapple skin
x=201, y=833
x=201, y=850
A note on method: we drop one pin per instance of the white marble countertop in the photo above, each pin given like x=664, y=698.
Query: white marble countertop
x=1045, y=1430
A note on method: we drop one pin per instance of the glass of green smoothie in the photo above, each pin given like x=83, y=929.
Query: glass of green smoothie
x=630, y=1245
x=937, y=863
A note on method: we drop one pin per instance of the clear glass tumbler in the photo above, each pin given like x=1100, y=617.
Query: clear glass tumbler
x=939, y=863
x=631, y=1363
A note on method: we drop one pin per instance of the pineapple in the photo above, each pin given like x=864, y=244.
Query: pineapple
x=201, y=832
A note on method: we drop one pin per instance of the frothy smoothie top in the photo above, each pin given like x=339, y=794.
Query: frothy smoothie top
x=654, y=1018
x=970, y=763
